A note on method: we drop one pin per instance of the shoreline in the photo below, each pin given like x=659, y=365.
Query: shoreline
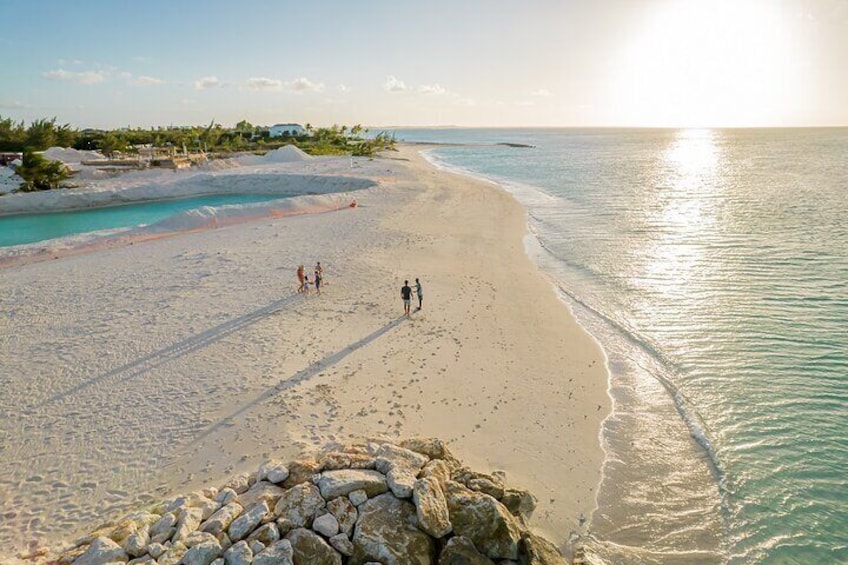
x=105, y=333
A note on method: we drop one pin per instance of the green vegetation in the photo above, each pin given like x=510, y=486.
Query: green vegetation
x=39, y=173
x=214, y=138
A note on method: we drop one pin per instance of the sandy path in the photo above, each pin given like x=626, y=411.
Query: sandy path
x=132, y=373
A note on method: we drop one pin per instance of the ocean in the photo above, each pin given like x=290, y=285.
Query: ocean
x=712, y=266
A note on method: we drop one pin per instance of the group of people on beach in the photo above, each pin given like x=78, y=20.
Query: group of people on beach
x=406, y=296
x=303, y=279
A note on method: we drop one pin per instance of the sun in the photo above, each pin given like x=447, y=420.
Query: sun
x=704, y=63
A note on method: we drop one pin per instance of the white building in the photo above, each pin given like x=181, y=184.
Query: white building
x=280, y=130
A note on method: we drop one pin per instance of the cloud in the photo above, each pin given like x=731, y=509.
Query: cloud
x=392, y=84
x=85, y=77
x=344, y=88
x=206, y=83
x=12, y=105
x=145, y=81
x=262, y=83
x=303, y=84
x=431, y=89
x=542, y=93
x=466, y=102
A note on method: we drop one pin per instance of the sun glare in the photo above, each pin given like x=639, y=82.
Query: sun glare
x=705, y=64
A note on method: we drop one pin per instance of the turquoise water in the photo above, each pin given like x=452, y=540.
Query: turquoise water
x=713, y=267
x=30, y=228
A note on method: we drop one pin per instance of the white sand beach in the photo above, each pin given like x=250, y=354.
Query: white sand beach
x=135, y=371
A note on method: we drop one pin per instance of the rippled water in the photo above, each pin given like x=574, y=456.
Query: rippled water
x=713, y=267
x=29, y=228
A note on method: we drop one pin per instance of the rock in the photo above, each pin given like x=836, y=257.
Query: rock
x=540, y=551
x=274, y=471
x=301, y=471
x=519, y=502
x=224, y=540
x=345, y=513
x=222, y=519
x=260, y=491
x=342, y=544
x=431, y=507
x=357, y=497
x=433, y=448
x=387, y=532
x=239, y=554
x=279, y=553
x=461, y=551
x=210, y=492
x=483, y=520
x=401, y=467
x=437, y=469
x=344, y=481
x=101, y=551
x=173, y=555
x=202, y=554
x=189, y=521
x=164, y=528
x=267, y=534
x=226, y=496
x=196, y=538
x=154, y=550
x=336, y=460
x=299, y=504
x=247, y=522
x=136, y=544
x=326, y=525
x=480, y=482
x=257, y=546
x=144, y=560
x=309, y=547
x=219, y=561
x=239, y=483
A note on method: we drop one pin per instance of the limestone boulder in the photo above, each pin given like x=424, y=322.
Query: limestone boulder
x=335, y=460
x=259, y=492
x=173, y=555
x=540, y=551
x=342, y=544
x=298, y=505
x=437, y=469
x=481, y=482
x=387, y=531
x=239, y=554
x=239, y=483
x=267, y=534
x=431, y=507
x=485, y=521
x=326, y=525
x=225, y=496
x=345, y=513
x=333, y=484
x=101, y=551
x=461, y=551
x=519, y=502
x=309, y=547
x=221, y=520
x=433, y=448
x=198, y=537
x=136, y=544
x=401, y=467
x=164, y=528
x=189, y=521
x=274, y=471
x=202, y=554
x=247, y=522
x=301, y=471
x=278, y=553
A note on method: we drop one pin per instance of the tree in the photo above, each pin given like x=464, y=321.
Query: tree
x=39, y=173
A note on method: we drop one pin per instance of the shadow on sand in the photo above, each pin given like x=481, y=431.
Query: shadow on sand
x=194, y=343
x=301, y=376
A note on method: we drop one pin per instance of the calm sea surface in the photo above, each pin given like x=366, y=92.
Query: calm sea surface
x=712, y=265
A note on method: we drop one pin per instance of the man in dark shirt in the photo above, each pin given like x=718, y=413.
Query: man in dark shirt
x=406, y=294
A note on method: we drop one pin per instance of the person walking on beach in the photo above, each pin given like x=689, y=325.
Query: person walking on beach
x=305, y=288
x=319, y=270
x=300, y=279
x=406, y=295
x=318, y=279
x=419, y=292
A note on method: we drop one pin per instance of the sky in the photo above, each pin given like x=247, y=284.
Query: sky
x=473, y=63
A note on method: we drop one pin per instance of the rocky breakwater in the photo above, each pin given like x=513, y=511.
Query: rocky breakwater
x=410, y=503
